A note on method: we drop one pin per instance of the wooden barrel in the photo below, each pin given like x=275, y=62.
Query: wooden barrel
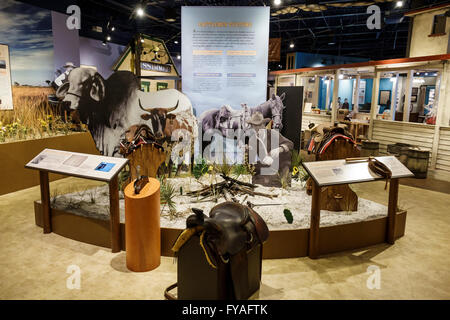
x=403, y=155
x=418, y=162
x=370, y=148
x=142, y=227
x=394, y=149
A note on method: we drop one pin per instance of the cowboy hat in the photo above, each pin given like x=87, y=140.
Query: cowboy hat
x=258, y=119
x=69, y=64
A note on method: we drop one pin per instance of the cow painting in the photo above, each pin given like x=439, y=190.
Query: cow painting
x=111, y=106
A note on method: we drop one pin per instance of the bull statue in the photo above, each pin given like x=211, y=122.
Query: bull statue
x=111, y=106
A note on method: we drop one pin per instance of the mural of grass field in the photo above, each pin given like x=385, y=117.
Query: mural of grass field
x=33, y=116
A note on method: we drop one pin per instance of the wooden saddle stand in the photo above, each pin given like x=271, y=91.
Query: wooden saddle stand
x=220, y=256
x=334, y=143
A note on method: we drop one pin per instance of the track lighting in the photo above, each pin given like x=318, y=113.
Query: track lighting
x=140, y=12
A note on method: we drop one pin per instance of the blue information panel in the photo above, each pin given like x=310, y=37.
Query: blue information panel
x=224, y=56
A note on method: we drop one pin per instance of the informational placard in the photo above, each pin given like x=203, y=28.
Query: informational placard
x=77, y=164
x=6, y=101
x=327, y=173
x=224, y=56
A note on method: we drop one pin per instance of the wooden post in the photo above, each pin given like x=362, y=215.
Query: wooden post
x=334, y=105
x=327, y=102
x=315, y=100
x=315, y=222
x=440, y=103
x=394, y=97
x=374, y=106
x=356, y=94
x=392, y=211
x=408, y=91
x=114, y=212
x=45, y=200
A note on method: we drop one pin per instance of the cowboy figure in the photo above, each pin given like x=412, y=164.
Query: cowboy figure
x=63, y=77
x=266, y=147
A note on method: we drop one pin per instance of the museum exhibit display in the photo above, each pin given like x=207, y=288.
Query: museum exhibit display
x=224, y=150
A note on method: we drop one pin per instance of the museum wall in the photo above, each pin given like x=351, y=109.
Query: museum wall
x=421, y=43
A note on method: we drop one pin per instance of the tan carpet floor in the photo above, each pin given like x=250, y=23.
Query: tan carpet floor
x=34, y=265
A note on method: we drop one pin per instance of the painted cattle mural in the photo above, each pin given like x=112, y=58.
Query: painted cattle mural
x=111, y=107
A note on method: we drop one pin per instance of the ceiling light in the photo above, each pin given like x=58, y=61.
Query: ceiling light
x=178, y=57
x=399, y=4
x=113, y=28
x=104, y=43
x=140, y=12
x=291, y=45
x=170, y=15
x=176, y=42
x=142, y=40
x=331, y=43
x=277, y=2
x=341, y=76
x=108, y=38
x=426, y=73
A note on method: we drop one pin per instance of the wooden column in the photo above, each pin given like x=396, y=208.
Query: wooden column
x=315, y=222
x=334, y=105
x=315, y=100
x=394, y=97
x=408, y=91
x=355, y=97
x=392, y=211
x=327, y=102
x=114, y=212
x=374, y=106
x=45, y=200
x=440, y=103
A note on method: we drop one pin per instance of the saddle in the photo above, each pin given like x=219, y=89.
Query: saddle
x=230, y=231
x=135, y=136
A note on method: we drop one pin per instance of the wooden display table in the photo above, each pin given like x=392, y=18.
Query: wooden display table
x=142, y=227
x=85, y=166
x=337, y=172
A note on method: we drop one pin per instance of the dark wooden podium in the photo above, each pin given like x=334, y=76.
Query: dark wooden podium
x=337, y=172
x=84, y=166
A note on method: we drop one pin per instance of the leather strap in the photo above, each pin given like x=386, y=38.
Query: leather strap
x=170, y=296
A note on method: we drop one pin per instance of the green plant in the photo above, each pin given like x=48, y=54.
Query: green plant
x=288, y=215
x=200, y=169
x=167, y=195
x=239, y=170
x=296, y=159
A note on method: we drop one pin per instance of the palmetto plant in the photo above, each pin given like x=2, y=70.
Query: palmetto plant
x=167, y=195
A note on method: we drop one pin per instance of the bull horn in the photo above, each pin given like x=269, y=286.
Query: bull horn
x=150, y=109
x=174, y=108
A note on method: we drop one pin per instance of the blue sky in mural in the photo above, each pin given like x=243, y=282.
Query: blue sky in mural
x=28, y=32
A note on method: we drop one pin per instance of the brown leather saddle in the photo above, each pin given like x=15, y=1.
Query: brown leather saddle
x=230, y=228
x=226, y=235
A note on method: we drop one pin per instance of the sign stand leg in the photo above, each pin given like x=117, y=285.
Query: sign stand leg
x=392, y=211
x=45, y=200
x=114, y=212
x=315, y=222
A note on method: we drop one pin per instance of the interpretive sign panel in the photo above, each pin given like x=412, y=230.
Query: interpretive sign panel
x=334, y=172
x=78, y=164
x=6, y=101
x=224, y=56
